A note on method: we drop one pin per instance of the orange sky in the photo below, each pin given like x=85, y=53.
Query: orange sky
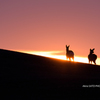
x=49, y=25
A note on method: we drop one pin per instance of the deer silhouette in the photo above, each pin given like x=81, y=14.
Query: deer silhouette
x=92, y=57
x=69, y=53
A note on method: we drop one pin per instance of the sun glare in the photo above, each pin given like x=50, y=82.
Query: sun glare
x=57, y=55
x=81, y=59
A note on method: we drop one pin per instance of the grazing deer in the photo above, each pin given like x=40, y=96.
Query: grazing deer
x=92, y=57
x=69, y=53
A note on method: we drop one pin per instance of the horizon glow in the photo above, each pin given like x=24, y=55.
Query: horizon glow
x=57, y=55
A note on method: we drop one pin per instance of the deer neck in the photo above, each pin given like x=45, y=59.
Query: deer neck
x=91, y=53
x=67, y=50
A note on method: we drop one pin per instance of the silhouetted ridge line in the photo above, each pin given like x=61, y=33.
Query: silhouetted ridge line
x=25, y=57
x=33, y=74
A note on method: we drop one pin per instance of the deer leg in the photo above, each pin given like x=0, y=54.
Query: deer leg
x=67, y=58
x=94, y=62
x=89, y=61
x=73, y=58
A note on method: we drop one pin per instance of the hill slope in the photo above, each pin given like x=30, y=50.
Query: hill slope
x=30, y=72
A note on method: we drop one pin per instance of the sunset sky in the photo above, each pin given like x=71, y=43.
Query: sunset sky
x=49, y=25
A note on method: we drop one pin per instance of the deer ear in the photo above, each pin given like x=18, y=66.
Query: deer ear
x=90, y=49
x=93, y=48
x=69, y=46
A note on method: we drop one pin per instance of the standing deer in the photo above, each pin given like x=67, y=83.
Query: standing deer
x=92, y=57
x=69, y=53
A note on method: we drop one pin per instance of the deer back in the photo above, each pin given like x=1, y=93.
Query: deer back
x=92, y=57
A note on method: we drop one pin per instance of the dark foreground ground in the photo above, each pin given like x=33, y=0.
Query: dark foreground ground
x=31, y=77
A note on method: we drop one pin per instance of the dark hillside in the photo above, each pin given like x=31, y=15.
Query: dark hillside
x=28, y=73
